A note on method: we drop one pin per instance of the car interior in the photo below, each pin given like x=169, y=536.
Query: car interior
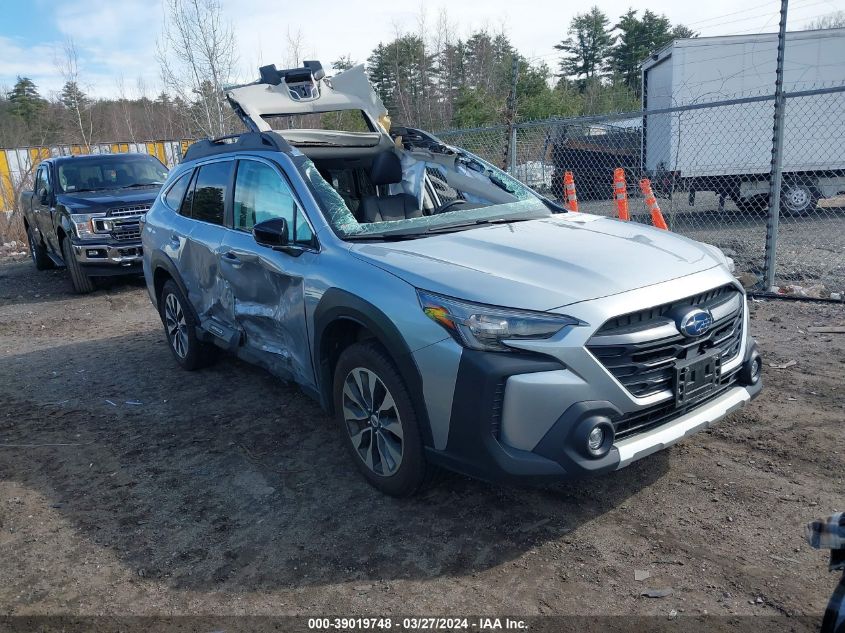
x=379, y=186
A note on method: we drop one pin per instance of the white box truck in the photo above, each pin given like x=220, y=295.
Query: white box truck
x=728, y=149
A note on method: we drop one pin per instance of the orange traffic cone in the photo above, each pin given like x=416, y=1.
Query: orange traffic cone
x=620, y=193
x=569, y=191
x=651, y=204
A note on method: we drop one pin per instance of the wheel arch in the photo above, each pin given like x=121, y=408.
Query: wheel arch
x=163, y=268
x=342, y=319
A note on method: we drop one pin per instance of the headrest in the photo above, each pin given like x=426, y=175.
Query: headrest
x=386, y=169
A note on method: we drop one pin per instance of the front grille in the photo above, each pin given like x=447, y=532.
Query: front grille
x=658, y=414
x=127, y=234
x=122, y=212
x=640, y=349
x=122, y=223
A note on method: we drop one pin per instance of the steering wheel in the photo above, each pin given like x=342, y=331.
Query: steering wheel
x=448, y=205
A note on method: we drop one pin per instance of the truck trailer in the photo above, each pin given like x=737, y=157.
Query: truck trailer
x=727, y=149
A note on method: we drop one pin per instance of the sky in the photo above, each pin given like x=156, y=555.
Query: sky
x=116, y=41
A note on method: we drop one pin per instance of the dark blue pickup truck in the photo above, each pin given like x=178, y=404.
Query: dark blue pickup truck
x=85, y=214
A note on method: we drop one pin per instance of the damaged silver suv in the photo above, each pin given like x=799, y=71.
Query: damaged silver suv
x=444, y=313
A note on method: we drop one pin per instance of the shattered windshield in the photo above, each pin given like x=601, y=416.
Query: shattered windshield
x=453, y=193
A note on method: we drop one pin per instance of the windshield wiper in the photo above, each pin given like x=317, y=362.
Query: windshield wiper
x=463, y=225
x=142, y=184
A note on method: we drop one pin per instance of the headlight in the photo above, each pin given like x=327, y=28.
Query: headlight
x=484, y=327
x=84, y=224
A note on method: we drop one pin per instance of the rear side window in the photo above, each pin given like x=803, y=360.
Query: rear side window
x=206, y=201
x=173, y=198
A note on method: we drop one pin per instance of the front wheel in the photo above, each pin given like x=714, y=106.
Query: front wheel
x=378, y=422
x=82, y=283
x=180, y=327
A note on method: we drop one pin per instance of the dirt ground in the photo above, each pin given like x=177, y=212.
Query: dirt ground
x=128, y=486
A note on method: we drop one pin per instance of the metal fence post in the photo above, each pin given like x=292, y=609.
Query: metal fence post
x=776, y=173
x=512, y=157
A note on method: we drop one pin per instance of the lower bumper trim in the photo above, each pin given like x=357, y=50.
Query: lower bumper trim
x=656, y=439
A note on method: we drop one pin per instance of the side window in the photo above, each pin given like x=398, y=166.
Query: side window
x=173, y=198
x=207, y=199
x=42, y=182
x=262, y=194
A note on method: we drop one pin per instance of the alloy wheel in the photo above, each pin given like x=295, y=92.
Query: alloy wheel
x=175, y=325
x=372, y=420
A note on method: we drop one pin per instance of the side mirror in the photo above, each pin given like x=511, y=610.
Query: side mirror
x=272, y=233
x=45, y=197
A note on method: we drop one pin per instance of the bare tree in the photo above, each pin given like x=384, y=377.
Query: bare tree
x=72, y=95
x=833, y=20
x=197, y=57
x=125, y=108
x=296, y=46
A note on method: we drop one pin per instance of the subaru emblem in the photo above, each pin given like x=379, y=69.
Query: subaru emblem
x=695, y=322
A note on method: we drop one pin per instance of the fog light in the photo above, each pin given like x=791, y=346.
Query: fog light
x=752, y=370
x=755, y=369
x=596, y=439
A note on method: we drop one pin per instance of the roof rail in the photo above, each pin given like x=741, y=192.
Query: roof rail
x=248, y=141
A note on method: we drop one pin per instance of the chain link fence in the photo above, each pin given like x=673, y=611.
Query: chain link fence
x=709, y=166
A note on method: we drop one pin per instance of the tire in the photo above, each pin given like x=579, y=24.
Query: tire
x=371, y=401
x=82, y=283
x=180, y=328
x=797, y=198
x=38, y=252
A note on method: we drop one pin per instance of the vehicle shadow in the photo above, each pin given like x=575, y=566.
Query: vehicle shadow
x=226, y=478
x=20, y=282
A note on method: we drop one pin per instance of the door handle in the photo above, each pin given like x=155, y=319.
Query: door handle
x=239, y=257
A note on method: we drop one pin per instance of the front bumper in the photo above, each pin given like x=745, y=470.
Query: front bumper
x=104, y=258
x=477, y=447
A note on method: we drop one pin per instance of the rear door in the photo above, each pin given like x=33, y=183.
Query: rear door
x=206, y=205
x=267, y=286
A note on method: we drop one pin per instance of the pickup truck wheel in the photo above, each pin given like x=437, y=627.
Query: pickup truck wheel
x=378, y=422
x=38, y=253
x=82, y=283
x=180, y=327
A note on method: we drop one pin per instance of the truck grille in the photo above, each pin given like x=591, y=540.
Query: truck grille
x=122, y=223
x=640, y=349
x=122, y=212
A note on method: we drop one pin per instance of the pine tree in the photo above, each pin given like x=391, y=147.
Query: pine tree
x=25, y=101
x=587, y=47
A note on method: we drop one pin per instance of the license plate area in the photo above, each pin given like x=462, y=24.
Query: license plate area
x=697, y=378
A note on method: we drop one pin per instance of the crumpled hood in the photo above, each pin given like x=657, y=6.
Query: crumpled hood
x=542, y=264
x=93, y=201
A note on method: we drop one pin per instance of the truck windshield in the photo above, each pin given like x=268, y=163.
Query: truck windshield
x=110, y=172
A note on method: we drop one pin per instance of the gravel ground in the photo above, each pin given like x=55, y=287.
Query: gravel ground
x=811, y=252
x=128, y=486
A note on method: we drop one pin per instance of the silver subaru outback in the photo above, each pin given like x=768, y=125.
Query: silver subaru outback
x=444, y=313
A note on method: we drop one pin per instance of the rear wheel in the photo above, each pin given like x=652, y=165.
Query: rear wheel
x=378, y=422
x=798, y=198
x=82, y=283
x=38, y=252
x=180, y=327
